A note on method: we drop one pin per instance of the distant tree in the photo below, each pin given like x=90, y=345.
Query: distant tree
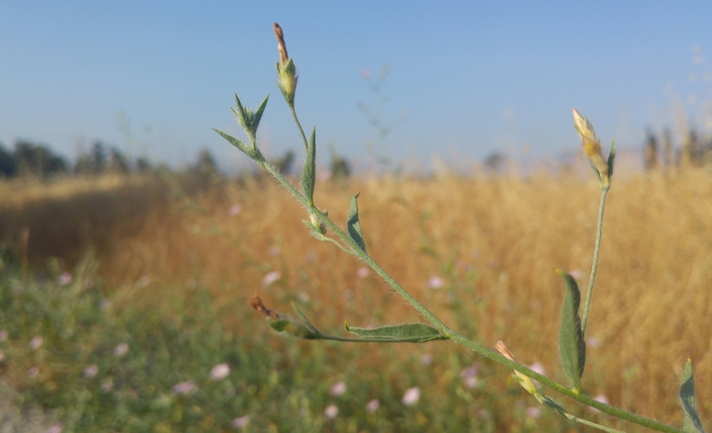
x=206, y=163
x=8, y=166
x=495, y=161
x=143, y=165
x=284, y=164
x=340, y=167
x=117, y=162
x=668, y=151
x=98, y=158
x=37, y=160
x=650, y=154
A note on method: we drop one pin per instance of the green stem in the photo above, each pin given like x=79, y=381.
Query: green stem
x=299, y=125
x=594, y=265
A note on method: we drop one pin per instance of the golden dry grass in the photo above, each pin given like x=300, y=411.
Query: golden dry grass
x=494, y=240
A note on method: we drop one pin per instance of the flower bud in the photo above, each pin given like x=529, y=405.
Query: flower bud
x=285, y=68
x=318, y=225
x=591, y=147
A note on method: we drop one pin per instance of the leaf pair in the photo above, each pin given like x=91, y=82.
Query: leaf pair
x=303, y=328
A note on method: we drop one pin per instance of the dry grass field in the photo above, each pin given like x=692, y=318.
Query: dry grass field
x=492, y=241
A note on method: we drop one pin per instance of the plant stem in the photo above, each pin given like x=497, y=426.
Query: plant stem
x=299, y=125
x=594, y=265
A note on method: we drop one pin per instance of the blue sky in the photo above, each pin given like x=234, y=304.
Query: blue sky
x=465, y=78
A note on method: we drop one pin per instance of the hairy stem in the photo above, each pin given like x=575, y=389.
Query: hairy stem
x=299, y=125
x=594, y=265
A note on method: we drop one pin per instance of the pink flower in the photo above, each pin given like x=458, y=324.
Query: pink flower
x=220, y=372
x=426, y=359
x=33, y=371
x=90, y=371
x=539, y=368
x=64, y=279
x=533, y=412
x=274, y=251
x=338, y=389
x=373, y=406
x=57, y=428
x=331, y=411
x=3, y=335
x=36, y=342
x=593, y=342
x=121, y=350
x=600, y=398
x=235, y=209
x=185, y=388
x=436, y=282
x=411, y=396
x=241, y=421
x=469, y=376
x=363, y=272
x=270, y=278
x=576, y=273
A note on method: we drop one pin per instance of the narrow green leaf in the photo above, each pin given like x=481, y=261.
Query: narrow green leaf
x=354, y=224
x=572, y=348
x=693, y=424
x=611, y=159
x=244, y=148
x=258, y=115
x=241, y=115
x=309, y=170
x=304, y=319
x=407, y=332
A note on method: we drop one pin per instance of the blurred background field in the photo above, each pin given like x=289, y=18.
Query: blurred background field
x=123, y=296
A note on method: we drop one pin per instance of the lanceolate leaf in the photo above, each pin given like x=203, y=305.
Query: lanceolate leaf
x=308, y=178
x=354, y=224
x=244, y=148
x=407, y=332
x=693, y=424
x=572, y=348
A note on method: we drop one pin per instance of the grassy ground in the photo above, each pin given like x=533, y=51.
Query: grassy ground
x=174, y=264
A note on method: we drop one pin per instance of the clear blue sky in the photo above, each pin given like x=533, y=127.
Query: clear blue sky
x=473, y=77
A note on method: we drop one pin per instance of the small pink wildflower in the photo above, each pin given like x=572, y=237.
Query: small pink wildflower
x=235, y=209
x=90, y=371
x=186, y=388
x=436, y=282
x=363, y=272
x=576, y=273
x=271, y=278
x=593, y=342
x=33, y=371
x=373, y=405
x=107, y=386
x=599, y=398
x=533, y=412
x=3, y=335
x=338, y=389
x=274, y=251
x=411, y=396
x=331, y=411
x=426, y=359
x=36, y=342
x=539, y=368
x=64, y=278
x=220, y=372
x=241, y=421
x=57, y=428
x=121, y=350
x=325, y=175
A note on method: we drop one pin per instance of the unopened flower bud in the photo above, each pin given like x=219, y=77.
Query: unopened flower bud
x=591, y=147
x=285, y=68
x=526, y=382
x=318, y=225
